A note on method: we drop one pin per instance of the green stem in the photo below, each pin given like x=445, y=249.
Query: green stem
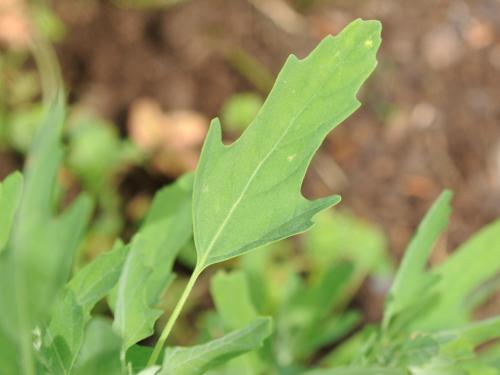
x=173, y=317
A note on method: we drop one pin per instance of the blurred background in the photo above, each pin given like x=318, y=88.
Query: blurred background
x=145, y=77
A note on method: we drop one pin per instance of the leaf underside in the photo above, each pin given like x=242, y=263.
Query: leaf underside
x=248, y=194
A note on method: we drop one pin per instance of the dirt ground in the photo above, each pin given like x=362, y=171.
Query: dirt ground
x=430, y=117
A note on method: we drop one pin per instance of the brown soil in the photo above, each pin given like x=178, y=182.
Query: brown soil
x=430, y=118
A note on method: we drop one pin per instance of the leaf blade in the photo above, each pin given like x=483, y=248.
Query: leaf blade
x=64, y=335
x=97, y=278
x=480, y=256
x=411, y=275
x=147, y=270
x=258, y=172
x=10, y=196
x=198, y=359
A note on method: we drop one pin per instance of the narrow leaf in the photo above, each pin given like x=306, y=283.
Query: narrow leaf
x=411, y=278
x=357, y=371
x=475, y=333
x=41, y=247
x=226, y=288
x=10, y=196
x=248, y=194
x=198, y=359
x=472, y=264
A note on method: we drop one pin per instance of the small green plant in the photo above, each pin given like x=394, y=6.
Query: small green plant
x=241, y=197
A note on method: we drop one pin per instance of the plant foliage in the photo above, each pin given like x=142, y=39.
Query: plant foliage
x=242, y=197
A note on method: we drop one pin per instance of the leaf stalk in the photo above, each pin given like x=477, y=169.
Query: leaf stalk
x=173, y=317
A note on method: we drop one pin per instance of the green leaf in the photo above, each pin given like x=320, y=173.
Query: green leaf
x=64, y=336
x=350, y=350
x=480, y=257
x=470, y=335
x=137, y=357
x=8, y=351
x=134, y=317
x=148, y=267
x=335, y=328
x=417, y=350
x=167, y=228
x=267, y=274
x=55, y=250
x=248, y=194
x=226, y=288
x=10, y=195
x=97, y=278
x=152, y=370
x=43, y=244
x=100, y=353
x=341, y=236
x=40, y=176
x=198, y=359
x=40, y=251
x=308, y=314
x=357, y=371
x=412, y=279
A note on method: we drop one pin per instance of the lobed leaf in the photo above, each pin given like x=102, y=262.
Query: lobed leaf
x=248, y=194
